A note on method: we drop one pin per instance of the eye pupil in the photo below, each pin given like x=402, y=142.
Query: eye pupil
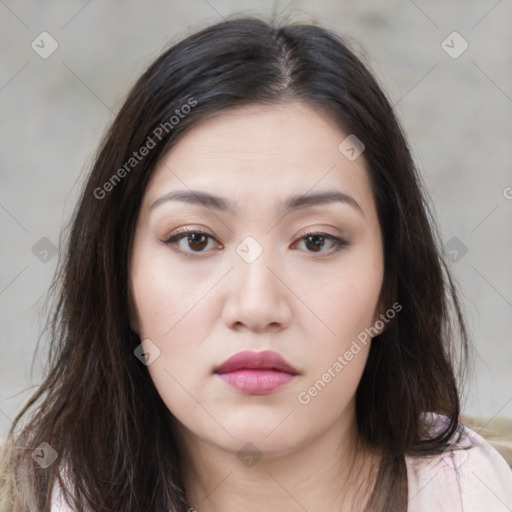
x=197, y=238
x=318, y=241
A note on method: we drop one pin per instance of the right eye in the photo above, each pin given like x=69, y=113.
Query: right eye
x=196, y=241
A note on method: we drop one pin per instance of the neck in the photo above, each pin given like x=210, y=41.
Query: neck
x=322, y=474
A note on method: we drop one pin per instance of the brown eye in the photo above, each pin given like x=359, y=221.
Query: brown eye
x=315, y=242
x=190, y=242
x=197, y=241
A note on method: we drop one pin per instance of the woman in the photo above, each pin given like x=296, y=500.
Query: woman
x=254, y=311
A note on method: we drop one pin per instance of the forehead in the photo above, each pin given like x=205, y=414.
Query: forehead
x=261, y=153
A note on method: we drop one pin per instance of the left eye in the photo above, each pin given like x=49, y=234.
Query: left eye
x=316, y=242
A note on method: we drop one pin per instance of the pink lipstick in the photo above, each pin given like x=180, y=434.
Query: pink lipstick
x=256, y=373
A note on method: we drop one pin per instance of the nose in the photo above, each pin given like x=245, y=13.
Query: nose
x=258, y=298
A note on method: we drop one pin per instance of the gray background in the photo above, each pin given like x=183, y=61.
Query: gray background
x=457, y=113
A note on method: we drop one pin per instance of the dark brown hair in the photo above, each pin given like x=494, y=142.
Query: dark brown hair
x=97, y=406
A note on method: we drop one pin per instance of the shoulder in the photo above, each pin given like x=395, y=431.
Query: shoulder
x=470, y=476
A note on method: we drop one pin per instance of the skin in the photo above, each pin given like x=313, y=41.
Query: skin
x=306, y=305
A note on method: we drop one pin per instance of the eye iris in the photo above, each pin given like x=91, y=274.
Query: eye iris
x=318, y=242
x=197, y=238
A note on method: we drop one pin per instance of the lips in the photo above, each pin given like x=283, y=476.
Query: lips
x=248, y=360
x=256, y=373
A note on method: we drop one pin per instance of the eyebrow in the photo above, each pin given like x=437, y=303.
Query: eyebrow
x=292, y=204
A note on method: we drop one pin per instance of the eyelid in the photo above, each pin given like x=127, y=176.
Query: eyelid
x=190, y=229
x=325, y=231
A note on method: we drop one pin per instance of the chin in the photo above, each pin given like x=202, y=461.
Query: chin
x=269, y=435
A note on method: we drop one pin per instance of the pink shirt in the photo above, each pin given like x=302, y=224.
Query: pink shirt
x=472, y=480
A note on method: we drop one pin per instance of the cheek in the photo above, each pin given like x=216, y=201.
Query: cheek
x=333, y=384
x=341, y=309
x=176, y=384
x=175, y=320
x=163, y=298
x=337, y=350
x=170, y=313
x=342, y=304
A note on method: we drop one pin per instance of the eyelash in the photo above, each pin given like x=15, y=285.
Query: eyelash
x=338, y=243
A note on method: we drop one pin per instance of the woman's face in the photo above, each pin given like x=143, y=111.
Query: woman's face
x=259, y=271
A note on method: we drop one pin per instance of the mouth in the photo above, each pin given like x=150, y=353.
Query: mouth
x=256, y=373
